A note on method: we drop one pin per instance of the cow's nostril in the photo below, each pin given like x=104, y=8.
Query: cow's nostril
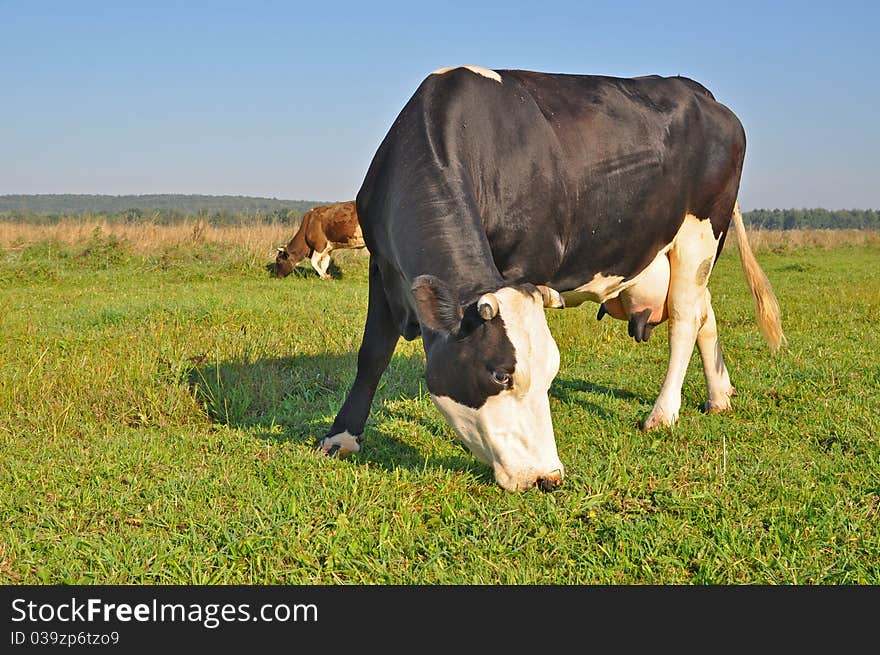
x=547, y=484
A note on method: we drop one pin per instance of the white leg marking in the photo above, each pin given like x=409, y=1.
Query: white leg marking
x=718, y=383
x=693, y=246
x=315, y=260
x=321, y=262
x=346, y=444
x=325, y=264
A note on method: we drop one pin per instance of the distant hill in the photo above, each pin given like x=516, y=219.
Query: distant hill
x=71, y=204
x=169, y=209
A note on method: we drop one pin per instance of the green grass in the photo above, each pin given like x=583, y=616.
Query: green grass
x=158, y=416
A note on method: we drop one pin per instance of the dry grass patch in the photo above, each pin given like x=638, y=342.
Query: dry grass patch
x=790, y=240
x=259, y=240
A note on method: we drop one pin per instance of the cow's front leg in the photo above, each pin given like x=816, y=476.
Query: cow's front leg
x=377, y=347
x=321, y=262
x=690, y=260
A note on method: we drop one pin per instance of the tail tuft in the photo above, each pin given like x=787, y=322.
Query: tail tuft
x=767, y=312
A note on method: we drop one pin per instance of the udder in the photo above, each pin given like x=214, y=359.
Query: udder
x=644, y=303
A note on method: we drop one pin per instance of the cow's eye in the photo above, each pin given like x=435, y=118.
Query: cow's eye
x=501, y=378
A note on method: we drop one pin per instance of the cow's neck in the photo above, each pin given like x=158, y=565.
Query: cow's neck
x=458, y=255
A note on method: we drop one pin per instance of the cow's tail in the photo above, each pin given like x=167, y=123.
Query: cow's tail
x=767, y=310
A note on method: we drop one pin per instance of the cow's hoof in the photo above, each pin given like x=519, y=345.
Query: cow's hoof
x=341, y=445
x=656, y=420
x=717, y=406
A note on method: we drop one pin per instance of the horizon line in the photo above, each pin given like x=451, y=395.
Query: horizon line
x=234, y=195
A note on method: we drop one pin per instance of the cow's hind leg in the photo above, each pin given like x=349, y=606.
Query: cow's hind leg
x=377, y=347
x=690, y=260
x=718, y=383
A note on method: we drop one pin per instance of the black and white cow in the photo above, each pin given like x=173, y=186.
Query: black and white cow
x=498, y=193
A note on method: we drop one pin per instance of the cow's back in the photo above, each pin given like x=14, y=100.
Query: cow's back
x=638, y=155
x=339, y=223
x=547, y=178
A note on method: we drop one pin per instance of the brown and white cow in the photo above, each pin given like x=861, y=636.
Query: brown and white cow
x=323, y=229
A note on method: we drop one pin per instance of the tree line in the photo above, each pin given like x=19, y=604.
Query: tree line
x=813, y=219
x=158, y=209
x=218, y=218
x=172, y=209
x=50, y=203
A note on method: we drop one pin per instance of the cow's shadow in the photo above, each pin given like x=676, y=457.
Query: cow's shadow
x=578, y=391
x=305, y=271
x=294, y=399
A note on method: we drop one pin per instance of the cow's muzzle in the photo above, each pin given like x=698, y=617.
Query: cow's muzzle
x=549, y=483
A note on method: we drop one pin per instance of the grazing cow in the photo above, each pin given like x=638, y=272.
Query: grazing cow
x=323, y=230
x=498, y=193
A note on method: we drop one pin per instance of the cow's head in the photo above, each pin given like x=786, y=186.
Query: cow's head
x=287, y=258
x=490, y=364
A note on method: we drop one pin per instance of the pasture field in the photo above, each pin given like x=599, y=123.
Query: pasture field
x=159, y=402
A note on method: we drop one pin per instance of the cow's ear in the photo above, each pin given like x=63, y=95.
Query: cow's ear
x=438, y=307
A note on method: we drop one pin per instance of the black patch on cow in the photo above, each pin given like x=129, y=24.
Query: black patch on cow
x=639, y=328
x=539, y=196
x=460, y=366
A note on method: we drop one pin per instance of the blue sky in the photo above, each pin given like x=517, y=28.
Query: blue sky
x=290, y=100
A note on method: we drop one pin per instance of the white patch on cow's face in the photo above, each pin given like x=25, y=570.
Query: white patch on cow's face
x=479, y=70
x=512, y=431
